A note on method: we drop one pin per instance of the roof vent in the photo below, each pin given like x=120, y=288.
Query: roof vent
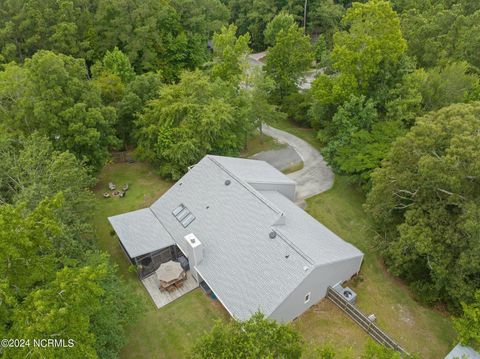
x=305, y=268
x=192, y=240
x=227, y=182
x=272, y=234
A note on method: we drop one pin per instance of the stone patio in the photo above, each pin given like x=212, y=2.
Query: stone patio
x=161, y=299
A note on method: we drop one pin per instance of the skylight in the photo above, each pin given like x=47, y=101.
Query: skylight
x=183, y=215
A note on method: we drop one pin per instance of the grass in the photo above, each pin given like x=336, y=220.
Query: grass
x=417, y=328
x=171, y=331
x=259, y=143
x=293, y=168
x=307, y=134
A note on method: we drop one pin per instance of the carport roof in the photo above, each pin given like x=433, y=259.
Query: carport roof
x=141, y=232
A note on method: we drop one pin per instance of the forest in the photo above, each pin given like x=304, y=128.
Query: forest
x=395, y=108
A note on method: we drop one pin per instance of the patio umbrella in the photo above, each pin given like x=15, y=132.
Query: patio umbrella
x=169, y=271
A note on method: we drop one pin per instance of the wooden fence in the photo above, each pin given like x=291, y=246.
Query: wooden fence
x=363, y=321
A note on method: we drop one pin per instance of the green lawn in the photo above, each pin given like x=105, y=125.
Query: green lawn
x=419, y=329
x=260, y=143
x=171, y=331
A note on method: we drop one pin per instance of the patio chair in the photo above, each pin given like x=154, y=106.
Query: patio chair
x=179, y=284
x=171, y=288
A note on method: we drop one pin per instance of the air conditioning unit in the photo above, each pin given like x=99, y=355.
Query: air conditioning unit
x=347, y=293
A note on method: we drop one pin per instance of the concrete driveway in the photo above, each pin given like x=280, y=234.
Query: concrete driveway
x=315, y=177
x=281, y=159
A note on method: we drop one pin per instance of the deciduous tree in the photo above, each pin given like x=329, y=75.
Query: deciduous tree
x=424, y=201
x=257, y=337
x=288, y=59
x=51, y=94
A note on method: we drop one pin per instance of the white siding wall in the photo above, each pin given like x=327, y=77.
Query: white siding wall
x=316, y=284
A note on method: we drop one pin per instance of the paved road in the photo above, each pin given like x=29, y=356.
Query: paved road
x=315, y=176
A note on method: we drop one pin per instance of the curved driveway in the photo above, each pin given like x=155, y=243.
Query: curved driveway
x=315, y=177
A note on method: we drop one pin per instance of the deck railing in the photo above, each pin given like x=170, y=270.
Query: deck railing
x=363, y=321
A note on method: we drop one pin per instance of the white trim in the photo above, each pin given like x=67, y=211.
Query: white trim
x=219, y=299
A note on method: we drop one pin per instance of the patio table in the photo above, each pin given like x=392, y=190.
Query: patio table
x=170, y=273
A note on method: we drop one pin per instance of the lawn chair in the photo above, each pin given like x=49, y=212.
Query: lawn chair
x=111, y=186
x=125, y=187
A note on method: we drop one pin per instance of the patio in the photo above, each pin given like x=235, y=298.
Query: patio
x=162, y=298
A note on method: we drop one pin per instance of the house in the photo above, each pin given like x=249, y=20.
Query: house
x=236, y=222
x=463, y=352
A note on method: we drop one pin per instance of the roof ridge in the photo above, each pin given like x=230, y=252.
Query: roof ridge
x=295, y=248
x=247, y=186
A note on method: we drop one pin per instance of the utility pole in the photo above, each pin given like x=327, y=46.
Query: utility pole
x=305, y=17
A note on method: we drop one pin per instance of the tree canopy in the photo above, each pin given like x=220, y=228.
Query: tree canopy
x=289, y=58
x=190, y=119
x=424, y=201
x=257, y=337
x=50, y=93
x=468, y=325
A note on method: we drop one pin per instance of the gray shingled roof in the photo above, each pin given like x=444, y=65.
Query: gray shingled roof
x=252, y=171
x=311, y=237
x=247, y=270
x=140, y=232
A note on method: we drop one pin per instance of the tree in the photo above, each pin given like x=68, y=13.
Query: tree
x=257, y=108
x=120, y=306
x=468, y=325
x=252, y=16
x=282, y=22
x=446, y=85
x=230, y=54
x=136, y=95
x=35, y=171
x=153, y=40
x=442, y=31
x=190, y=119
x=288, y=59
x=363, y=57
x=200, y=19
x=60, y=26
x=424, y=201
x=26, y=258
x=257, y=337
x=63, y=307
x=324, y=18
x=356, y=140
x=374, y=350
x=115, y=62
x=50, y=93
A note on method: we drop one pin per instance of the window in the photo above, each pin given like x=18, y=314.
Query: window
x=183, y=215
x=177, y=210
x=307, y=297
x=188, y=219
